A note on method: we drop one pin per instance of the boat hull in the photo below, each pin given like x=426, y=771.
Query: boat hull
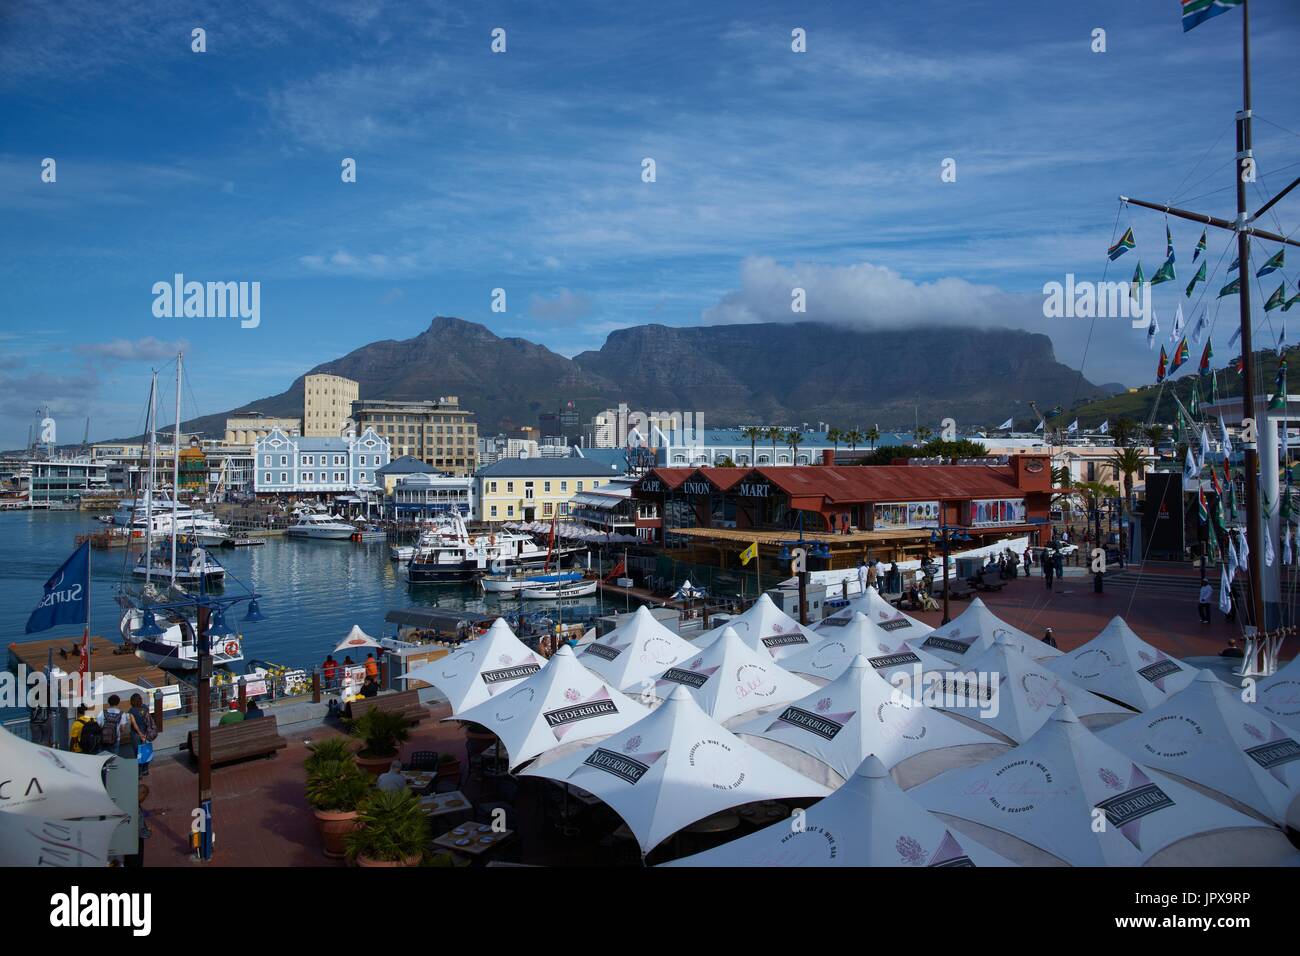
x=582, y=589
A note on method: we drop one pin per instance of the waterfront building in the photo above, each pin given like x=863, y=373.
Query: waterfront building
x=428, y=494
x=537, y=489
x=439, y=433
x=252, y=428
x=294, y=464
x=610, y=508
x=855, y=511
x=65, y=479
x=327, y=404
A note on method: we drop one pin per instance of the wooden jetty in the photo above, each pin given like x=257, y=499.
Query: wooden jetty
x=106, y=657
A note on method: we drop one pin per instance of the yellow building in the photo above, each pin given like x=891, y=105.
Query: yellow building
x=248, y=429
x=327, y=404
x=536, y=489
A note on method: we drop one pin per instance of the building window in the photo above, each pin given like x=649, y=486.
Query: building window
x=284, y=460
x=579, y=486
x=546, y=509
x=266, y=478
x=339, y=477
x=492, y=487
x=510, y=487
x=546, y=486
x=494, y=511
x=564, y=507
x=564, y=486
x=307, y=476
x=284, y=477
x=266, y=460
x=510, y=511
x=307, y=460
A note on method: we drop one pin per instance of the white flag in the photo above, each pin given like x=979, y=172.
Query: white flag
x=1227, y=442
x=1105, y=427
x=1205, y=446
x=1177, y=330
x=1190, y=471
x=1243, y=551
x=1198, y=330
x=1286, y=546
x=1007, y=424
x=1231, y=555
x=1235, y=335
x=1074, y=427
x=1039, y=426
x=1268, y=547
x=1225, y=592
x=1152, y=329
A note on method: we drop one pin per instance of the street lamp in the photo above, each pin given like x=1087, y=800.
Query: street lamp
x=944, y=535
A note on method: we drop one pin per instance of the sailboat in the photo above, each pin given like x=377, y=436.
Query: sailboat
x=172, y=643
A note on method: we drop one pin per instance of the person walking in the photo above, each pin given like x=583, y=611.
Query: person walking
x=1207, y=593
x=1059, y=561
x=1049, y=569
x=1029, y=559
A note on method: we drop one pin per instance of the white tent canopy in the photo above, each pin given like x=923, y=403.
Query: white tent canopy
x=37, y=841
x=1279, y=696
x=866, y=822
x=673, y=767
x=562, y=703
x=902, y=626
x=1045, y=802
x=845, y=638
x=827, y=734
x=974, y=630
x=635, y=652
x=1206, y=735
x=730, y=678
x=355, y=640
x=765, y=627
x=1024, y=696
x=480, y=669
x=54, y=784
x=1120, y=665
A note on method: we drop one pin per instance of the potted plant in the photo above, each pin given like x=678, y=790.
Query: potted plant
x=384, y=732
x=325, y=751
x=448, y=767
x=335, y=788
x=393, y=830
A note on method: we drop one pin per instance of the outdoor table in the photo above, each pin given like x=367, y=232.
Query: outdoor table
x=418, y=780
x=476, y=841
x=439, y=804
x=718, y=823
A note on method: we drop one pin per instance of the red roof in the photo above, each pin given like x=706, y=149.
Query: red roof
x=844, y=484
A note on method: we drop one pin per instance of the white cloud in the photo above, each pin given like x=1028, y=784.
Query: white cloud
x=563, y=307
x=147, y=349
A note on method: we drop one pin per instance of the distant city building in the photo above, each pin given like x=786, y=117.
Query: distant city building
x=327, y=404
x=249, y=429
x=537, y=489
x=496, y=447
x=65, y=479
x=289, y=464
x=439, y=433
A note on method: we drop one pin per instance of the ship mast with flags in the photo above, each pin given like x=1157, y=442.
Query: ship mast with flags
x=1263, y=636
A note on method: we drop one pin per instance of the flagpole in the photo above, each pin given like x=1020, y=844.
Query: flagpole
x=1248, y=403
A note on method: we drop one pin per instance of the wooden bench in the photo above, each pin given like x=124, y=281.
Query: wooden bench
x=404, y=702
x=259, y=737
x=957, y=590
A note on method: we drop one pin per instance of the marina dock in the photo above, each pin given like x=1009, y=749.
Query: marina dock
x=106, y=657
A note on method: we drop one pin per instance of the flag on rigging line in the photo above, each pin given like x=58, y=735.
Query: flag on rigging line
x=1232, y=288
x=1274, y=263
x=1160, y=369
x=1105, y=427
x=1196, y=12
x=1039, y=426
x=1169, y=243
x=1287, y=555
x=1166, y=273
x=748, y=554
x=1199, y=277
x=1200, y=247
x=1007, y=424
x=1181, y=355
x=1236, y=264
x=1225, y=591
x=1135, y=285
x=1268, y=547
x=1279, y=387
x=1198, y=329
x=1202, y=510
x=1214, y=387
x=1205, y=447
x=1290, y=302
x=1226, y=442
x=1232, y=339
x=1194, y=406
x=1277, y=299
x=1152, y=329
x=1124, y=245
x=1190, y=471
x=1177, y=330
x=1207, y=353
x=1243, y=550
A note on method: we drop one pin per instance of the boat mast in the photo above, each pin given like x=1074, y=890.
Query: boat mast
x=176, y=463
x=149, y=479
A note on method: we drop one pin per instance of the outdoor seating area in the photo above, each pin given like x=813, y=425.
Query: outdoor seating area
x=239, y=741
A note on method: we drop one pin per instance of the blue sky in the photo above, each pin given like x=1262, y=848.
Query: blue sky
x=522, y=171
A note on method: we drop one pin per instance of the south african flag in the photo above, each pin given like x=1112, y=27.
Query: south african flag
x=1160, y=369
x=1232, y=288
x=1206, y=355
x=1165, y=273
x=1181, y=355
x=1277, y=299
x=1196, y=12
x=1124, y=245
x=1200, y=247
x=1199, y=277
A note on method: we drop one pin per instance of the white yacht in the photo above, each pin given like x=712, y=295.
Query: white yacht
x=138, y=515
x=453, y=554
x=175, y=648
x=194, y=565
x=514, y=583
x=316, y=525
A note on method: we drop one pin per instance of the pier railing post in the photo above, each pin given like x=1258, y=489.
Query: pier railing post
x=243, y=695
x=315, y=687
x=158, y=709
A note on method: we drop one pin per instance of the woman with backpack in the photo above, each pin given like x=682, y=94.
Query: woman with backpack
x=138, y=728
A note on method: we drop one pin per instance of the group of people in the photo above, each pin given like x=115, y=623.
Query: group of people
x=127, y=733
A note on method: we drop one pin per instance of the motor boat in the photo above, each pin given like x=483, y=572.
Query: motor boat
x=194, y=565
x=176, y=648
x=560, y=590
x=513, y=583
x=453, y=554
x=316, y=525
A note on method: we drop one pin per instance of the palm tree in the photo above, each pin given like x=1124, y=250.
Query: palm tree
x=1128, y=461
x=853, y=437
x=794, y=438
x=1061, y=479
x=753, y=433
x=1124, y=432
x=923, y=434
x=873, y=436
x=834, y=436
x=1155, y=434
x=774, y=435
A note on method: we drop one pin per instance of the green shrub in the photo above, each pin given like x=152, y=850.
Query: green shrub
x=392, y=828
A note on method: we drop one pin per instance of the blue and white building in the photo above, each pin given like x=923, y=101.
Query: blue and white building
x=297, y=465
